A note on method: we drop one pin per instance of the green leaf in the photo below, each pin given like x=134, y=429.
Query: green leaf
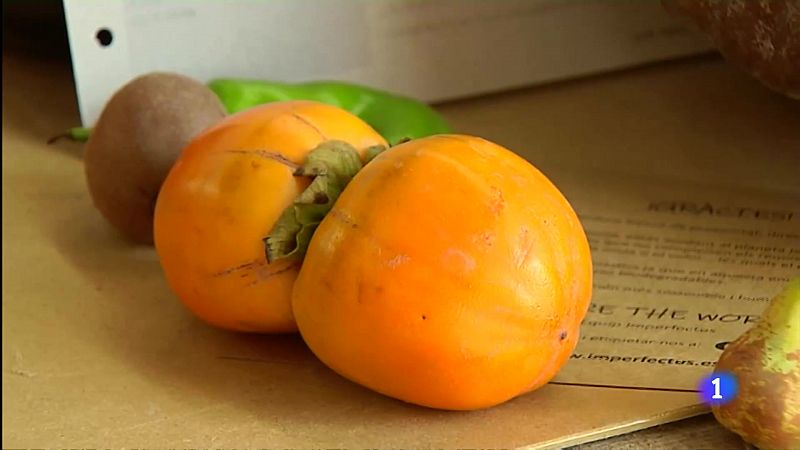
x=332, y=165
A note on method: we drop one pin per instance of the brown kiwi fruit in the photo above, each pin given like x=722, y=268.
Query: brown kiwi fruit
x=139, y=135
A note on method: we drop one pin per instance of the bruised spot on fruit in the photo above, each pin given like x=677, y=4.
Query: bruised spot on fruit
x=232, y=179
x=397, y=260
x=485, y=239
x=360, y=292
x=497, y=202
x=563, y=335
x=344, y=217
x=459, y=261
x=524, y=247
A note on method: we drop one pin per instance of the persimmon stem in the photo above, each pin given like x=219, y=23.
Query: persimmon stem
x=331, y=165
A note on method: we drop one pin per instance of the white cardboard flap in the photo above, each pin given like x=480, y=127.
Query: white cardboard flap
x=432, y=50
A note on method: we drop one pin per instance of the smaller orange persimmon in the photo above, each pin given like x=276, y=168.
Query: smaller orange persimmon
x=223, y=196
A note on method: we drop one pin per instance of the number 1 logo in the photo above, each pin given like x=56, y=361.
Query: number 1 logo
x=717, y=395
x=718, y=388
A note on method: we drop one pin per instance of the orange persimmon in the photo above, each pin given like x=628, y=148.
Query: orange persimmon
x=223, y=196
x=450, y=273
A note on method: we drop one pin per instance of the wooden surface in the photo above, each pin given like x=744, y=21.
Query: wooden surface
x=96, y=351
x=698, y=432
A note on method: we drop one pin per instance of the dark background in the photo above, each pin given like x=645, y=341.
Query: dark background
x=35, y=27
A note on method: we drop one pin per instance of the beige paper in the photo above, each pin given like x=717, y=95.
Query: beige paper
x=680, y=270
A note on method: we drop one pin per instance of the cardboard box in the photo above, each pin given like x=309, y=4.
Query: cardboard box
x=433, y=50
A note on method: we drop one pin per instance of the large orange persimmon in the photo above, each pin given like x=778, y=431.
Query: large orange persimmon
x=223, y=196
x=450, y=273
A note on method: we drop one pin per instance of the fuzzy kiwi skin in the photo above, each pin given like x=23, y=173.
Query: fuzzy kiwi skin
x=139, y=135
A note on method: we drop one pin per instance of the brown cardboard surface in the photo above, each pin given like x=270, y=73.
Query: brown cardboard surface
x=97, y=351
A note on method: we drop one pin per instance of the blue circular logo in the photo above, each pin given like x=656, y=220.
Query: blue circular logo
x=719, y=388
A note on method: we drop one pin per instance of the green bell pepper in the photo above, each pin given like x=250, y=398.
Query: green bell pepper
x=395, y=117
